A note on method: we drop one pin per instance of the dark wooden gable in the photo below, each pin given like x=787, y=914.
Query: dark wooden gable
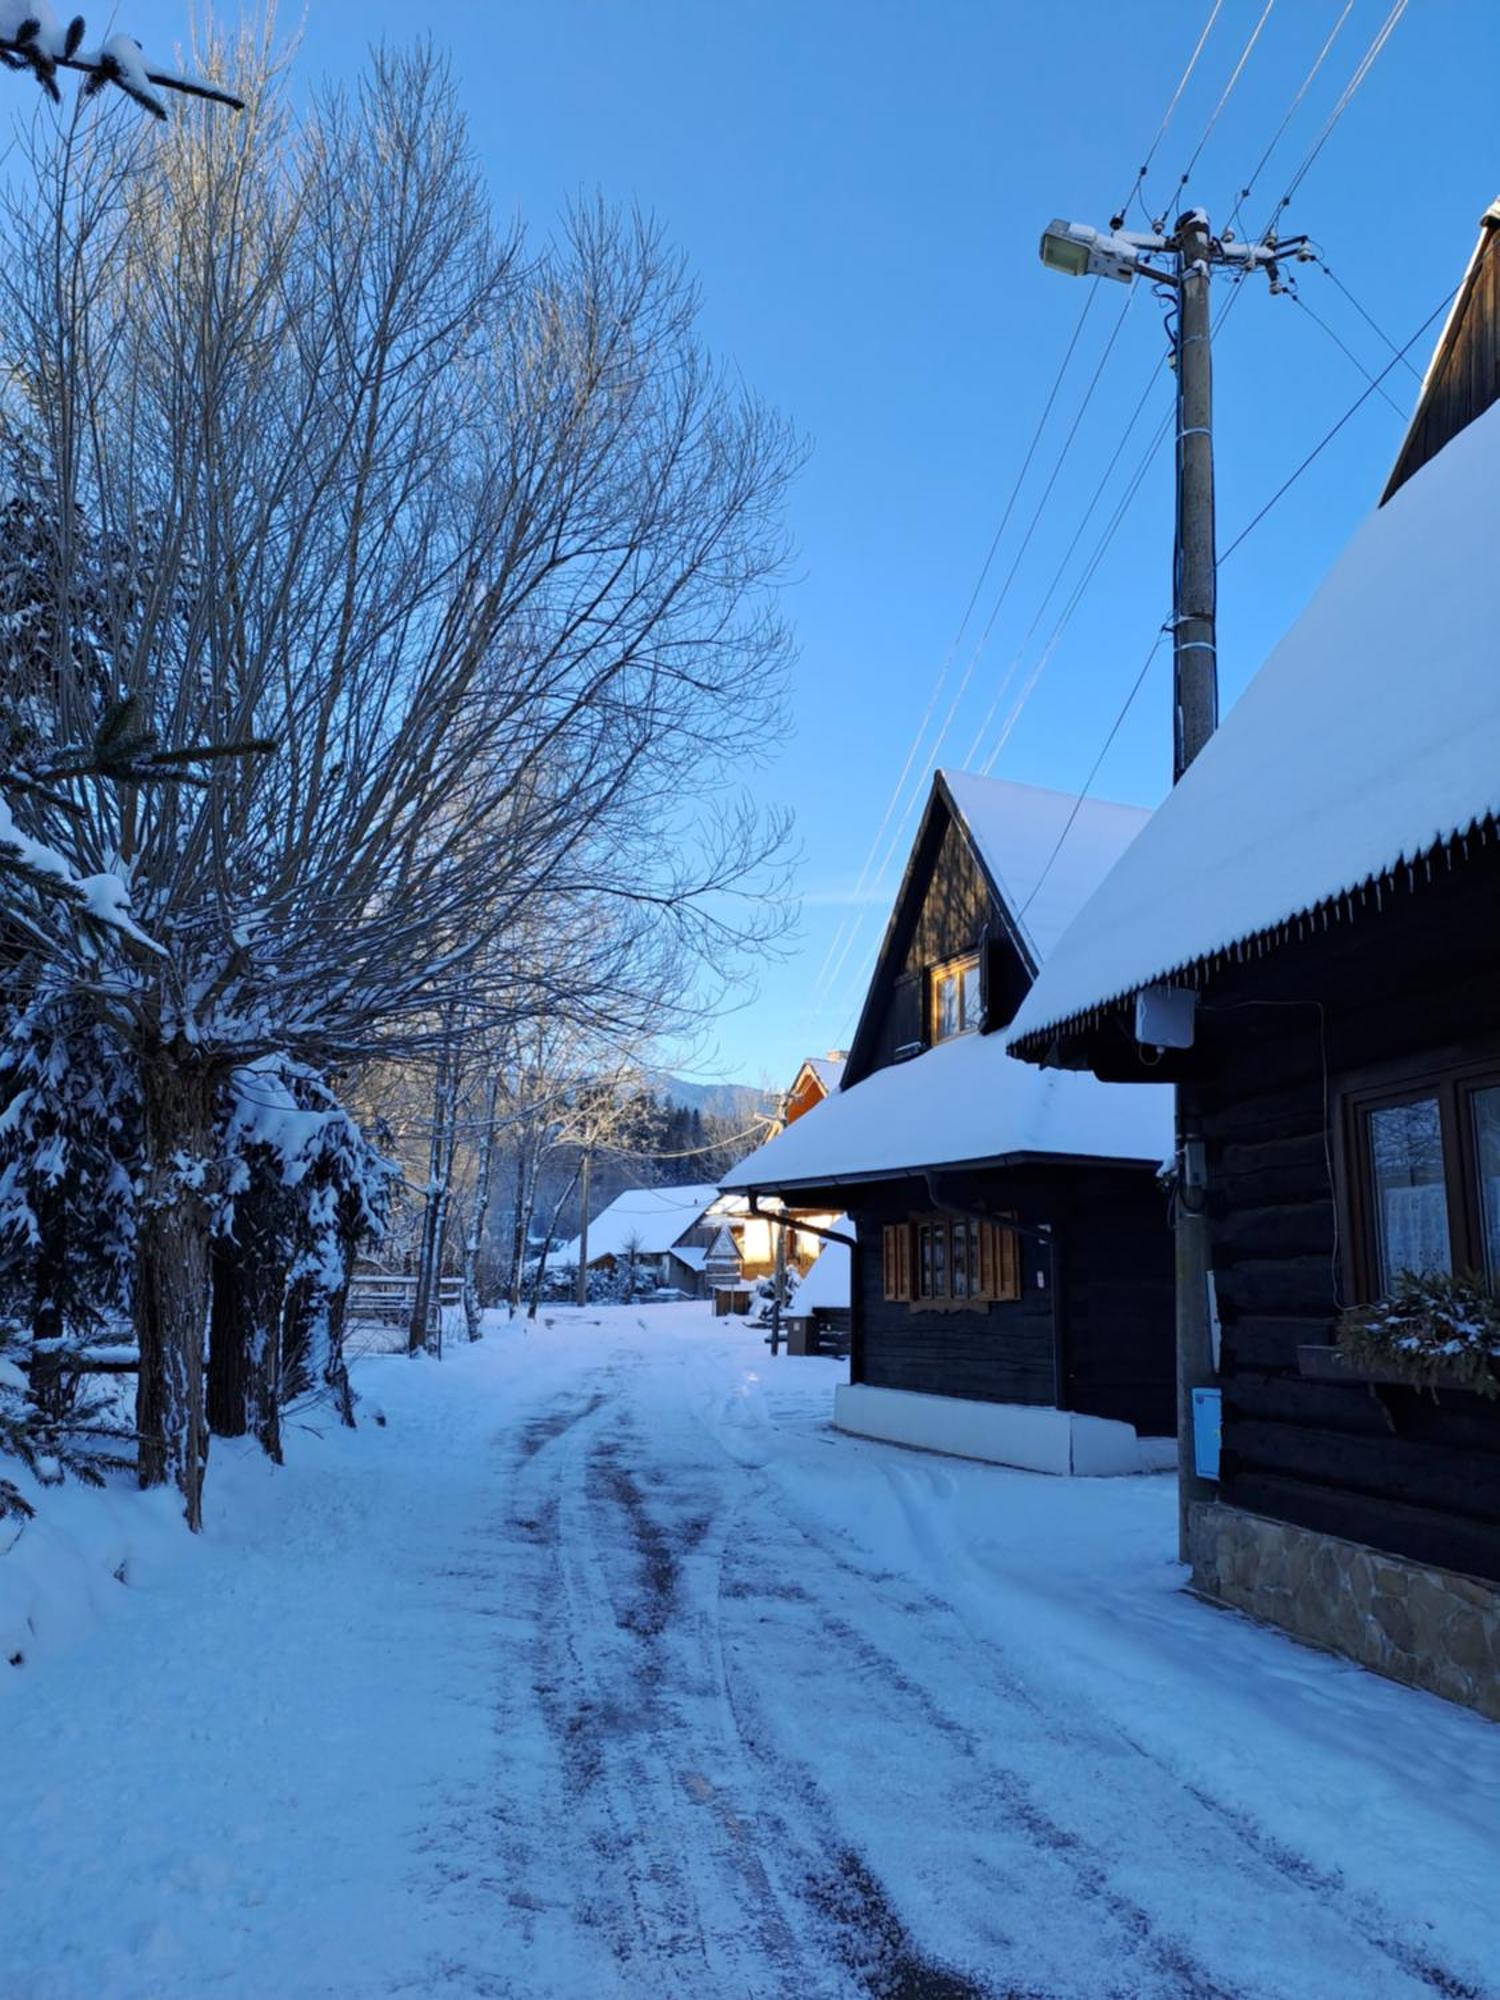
x=947, y=905
x=1463, y=379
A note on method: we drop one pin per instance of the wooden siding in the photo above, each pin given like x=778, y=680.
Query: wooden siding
x=1464, y=379
x=993, y=1354
x=1116, y=1271
x=1395, y=1469
x=950, y=907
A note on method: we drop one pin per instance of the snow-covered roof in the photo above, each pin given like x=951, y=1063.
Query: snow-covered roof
x=827, y=1069
x=1016, y=829
x=964, y=1101
x=653, y=1218
x=1368, y=738
x=694, y=1255
x=826, y=1286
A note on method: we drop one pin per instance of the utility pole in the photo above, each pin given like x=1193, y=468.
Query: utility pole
x=581, y=1297
x=1193, y=251
x=1195, y=716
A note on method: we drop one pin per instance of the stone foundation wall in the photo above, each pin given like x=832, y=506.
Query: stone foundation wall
x=1429, y=1628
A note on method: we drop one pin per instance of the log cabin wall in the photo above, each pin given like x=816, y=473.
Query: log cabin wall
x=994, y=1354
x=1116, y=1271
x=1395, y=1469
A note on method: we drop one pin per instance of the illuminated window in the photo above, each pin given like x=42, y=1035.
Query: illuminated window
x=954, y=997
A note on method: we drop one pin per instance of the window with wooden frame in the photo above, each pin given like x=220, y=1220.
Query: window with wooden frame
x=950, y=1262
x=1421, y=1175
x=954, y=1005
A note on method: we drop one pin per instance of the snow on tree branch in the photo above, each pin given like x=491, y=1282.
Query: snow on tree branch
x=33, y=38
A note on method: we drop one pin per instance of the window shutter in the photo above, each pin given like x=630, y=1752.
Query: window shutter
x=999, y=1263
x=984, y=980
x=895, y=1246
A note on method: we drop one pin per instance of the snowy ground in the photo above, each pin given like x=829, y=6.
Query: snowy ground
x=606, y=1668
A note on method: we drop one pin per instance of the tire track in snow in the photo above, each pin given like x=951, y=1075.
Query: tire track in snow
x=615, y=1641
x=1320, y=1893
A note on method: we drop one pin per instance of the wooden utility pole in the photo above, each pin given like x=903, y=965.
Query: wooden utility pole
x=1195, y=716
x=581, y=1296
x=778, y=1283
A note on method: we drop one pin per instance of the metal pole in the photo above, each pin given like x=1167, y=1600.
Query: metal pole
x=1195, y=717
x=581, y=1297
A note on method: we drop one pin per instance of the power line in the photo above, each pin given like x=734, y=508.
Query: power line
x=1088, y=784
x=1182, y=84
x=1345, y=350
x=1226, y=94
x=1057, y=574
x=1330, y=434
x=918, y=790
x=824, y=975
x=1374, y=325
x=1290, y=113
x=1244, y=533
x=1346, y=97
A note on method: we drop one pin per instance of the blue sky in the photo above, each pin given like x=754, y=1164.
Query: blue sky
x=860, y=190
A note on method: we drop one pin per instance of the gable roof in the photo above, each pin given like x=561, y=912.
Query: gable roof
x=964, y=1103
x=1044, y=852
x=1040, y=853
x=653, y=1217
x=1366, y=741
x=1463, y=376
x=827, y=1070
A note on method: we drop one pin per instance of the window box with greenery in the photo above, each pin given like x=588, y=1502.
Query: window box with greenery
x=1433, y=1332
x=950, y=1263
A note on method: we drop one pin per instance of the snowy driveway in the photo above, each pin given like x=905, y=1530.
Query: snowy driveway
x=607, y=1668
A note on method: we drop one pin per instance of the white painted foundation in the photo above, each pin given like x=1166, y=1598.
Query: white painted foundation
x=1037, y=1440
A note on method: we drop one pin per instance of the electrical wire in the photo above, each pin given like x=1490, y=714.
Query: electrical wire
x=1329, y=435
x=1346, y=350
x=1182, y=84
x=824, y=976
x=930, y=764
x=1225, y=95
x=1088, y=784
x=1289, y=114
x=1240, y=538
x=1373, y=324
x=1346, y=97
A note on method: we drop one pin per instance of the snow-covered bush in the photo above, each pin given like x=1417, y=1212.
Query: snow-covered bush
x=1432, y=1329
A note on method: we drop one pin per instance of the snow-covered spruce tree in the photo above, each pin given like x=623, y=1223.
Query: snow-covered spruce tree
x=300, y=1190
x=483, y=541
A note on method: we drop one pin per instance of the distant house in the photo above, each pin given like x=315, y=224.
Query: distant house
x=817, y=1079
x=664, y=1231
x=1313, y=916
x=1011, y=1296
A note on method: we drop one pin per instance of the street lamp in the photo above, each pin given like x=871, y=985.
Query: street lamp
x=1080, y=252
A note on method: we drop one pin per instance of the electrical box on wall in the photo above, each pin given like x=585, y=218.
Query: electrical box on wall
x=1166, y=1017
x=1208, y=1413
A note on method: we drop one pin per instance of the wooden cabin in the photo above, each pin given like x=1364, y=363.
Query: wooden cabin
x=665, y=1234
x=817, y=1079
x=1307, y=939
x=1011, y=1293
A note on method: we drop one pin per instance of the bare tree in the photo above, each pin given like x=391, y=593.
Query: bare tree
x=481, y=539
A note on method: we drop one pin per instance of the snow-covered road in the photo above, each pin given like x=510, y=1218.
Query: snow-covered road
x=605, y=1667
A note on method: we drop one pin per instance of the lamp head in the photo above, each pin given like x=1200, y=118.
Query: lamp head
x=1080, y=252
